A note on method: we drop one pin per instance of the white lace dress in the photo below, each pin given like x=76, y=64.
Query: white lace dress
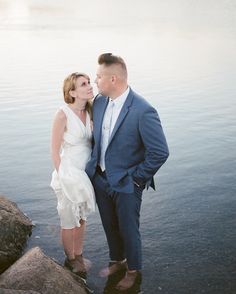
x=71, y=184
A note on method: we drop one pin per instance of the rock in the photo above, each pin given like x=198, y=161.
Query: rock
x=35, y=271
x=15, y=228
x=10, y=291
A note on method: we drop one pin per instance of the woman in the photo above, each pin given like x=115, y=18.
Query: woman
x=70, y=150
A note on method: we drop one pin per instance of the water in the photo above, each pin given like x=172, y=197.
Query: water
x=181, y=57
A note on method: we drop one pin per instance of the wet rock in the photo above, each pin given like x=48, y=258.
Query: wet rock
x=35, y=271
x=15, y=228
x=10, y=291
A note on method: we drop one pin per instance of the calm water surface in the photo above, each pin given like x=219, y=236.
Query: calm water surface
x=181, y=57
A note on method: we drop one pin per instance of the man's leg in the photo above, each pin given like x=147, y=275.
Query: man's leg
x=109, y=219
x=128, y=211
x=128, y=207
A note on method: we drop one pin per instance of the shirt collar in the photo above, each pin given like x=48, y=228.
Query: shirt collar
x=120, y=100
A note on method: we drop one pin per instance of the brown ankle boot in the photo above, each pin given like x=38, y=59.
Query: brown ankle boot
x=70, y=264
x=83, y=264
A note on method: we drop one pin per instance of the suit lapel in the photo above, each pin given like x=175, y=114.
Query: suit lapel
x=122, y=115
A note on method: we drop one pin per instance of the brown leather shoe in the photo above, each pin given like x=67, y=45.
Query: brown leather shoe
x=113, y=268
x=130, y=280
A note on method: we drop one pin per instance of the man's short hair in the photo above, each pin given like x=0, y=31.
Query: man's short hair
x=109, y=59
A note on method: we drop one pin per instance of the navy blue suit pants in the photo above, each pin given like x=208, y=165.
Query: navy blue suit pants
x=120, y=213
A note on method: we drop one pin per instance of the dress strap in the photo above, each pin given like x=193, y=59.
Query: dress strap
x=65, y=109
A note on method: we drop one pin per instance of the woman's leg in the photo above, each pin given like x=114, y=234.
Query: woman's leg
x=67, y=236
x=78, y=238
x=73, y=239
x=83, y=264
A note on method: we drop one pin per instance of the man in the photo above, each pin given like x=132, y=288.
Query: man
x=129, y=148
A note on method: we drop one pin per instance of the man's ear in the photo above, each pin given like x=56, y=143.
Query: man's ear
x=113, y=78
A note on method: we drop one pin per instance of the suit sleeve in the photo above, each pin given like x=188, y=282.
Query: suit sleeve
x=155, y=145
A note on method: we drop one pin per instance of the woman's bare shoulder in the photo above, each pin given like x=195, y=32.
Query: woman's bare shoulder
x=60, y=115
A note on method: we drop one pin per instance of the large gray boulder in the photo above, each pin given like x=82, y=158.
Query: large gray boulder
x=15, y=228
x=38, y=272
x=10, y=291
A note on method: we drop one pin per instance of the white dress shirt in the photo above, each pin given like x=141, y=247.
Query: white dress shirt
x=109, y=120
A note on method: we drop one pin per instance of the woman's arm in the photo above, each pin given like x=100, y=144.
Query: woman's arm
x=58, y=128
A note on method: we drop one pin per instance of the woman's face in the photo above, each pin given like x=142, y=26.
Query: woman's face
x=83, y=89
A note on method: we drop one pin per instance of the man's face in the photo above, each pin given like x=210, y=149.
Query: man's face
x=104, y=80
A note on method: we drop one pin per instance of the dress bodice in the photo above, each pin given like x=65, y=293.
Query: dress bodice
x=76, y=132
x=76, y=147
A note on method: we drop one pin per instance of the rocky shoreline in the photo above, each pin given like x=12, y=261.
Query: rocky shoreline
x=33, y=272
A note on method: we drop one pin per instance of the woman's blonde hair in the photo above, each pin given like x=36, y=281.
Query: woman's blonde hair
x=70, y=85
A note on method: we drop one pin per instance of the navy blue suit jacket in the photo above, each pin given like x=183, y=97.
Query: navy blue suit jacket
x=137, y=147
